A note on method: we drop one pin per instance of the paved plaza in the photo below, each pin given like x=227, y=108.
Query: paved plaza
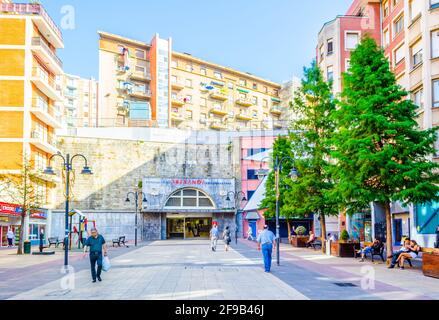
x=188, y=270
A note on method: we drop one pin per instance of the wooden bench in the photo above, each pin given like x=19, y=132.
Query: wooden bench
x=120, y=241
x=55, y=241
x=430, y=262
x=317, y=243
x=375, y=252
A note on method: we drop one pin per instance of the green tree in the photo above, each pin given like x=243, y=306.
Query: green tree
x=281, y=149
x=21, y=189
x=382, y=155
x=310, y=147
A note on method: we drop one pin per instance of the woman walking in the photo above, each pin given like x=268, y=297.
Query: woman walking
x=227, y=238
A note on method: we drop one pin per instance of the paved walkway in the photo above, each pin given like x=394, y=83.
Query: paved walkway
x=174, y=270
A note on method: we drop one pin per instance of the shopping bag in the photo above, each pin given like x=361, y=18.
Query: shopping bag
x=106, y=265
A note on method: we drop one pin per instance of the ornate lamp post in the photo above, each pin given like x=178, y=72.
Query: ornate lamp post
x=294, y=174
x=136, y=202
x=68, y=167
x=236, y=196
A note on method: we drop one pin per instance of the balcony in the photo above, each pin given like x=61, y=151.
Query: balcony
x=177, y=85
x=177, y=117
x=46, y=55
x=218, y=95
x=41, y=109
x=40, y=17
x=216, y=125
x=177, y=101
x=141, y=76
x=244, y=102
x=38, y=140
x=219, y=111
x=276, y=111
x=46, y=83
x=140, y=94
x=244, y=116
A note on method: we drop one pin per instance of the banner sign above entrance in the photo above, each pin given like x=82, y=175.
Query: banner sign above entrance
x=10, y=209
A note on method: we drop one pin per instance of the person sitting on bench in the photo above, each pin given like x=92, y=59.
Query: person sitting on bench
x=413, y=253
x=311, y=240
x=395, y=256
x=375, y=246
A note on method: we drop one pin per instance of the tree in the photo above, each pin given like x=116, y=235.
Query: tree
x=310, y=147
x=21, y=189
x=382, y=155
x=281, y=149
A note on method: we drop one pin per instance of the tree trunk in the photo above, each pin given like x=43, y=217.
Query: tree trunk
x=323, y=229
x=21, y=236
x=289, y=231
x=389, y=245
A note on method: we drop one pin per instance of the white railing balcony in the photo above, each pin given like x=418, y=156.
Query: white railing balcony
x=43, y=51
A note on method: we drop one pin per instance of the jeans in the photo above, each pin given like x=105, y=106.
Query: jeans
x=10, y=242
x=366, y=250
x=96, y=258
x=213, y=242
x=395, y=257
x=267, y=251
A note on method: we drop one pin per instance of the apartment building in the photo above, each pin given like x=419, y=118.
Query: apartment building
x=149, y=84
x=80, y=101
x=29, y=66
x=408, y=31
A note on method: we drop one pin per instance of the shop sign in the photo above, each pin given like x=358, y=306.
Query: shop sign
x=10, y=209
x=38, y=215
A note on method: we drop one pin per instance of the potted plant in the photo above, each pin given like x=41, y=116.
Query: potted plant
x=344, y=236
x=344, y=248
x=300, y=239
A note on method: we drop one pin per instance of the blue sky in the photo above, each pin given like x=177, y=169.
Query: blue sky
x=273, y=39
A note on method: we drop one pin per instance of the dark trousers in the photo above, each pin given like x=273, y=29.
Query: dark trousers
x=267, y=251
x=10, y=242
x=96, y=258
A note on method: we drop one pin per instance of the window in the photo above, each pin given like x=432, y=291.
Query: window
x=398, y=26
x=265, y=89
x=189, y=114
x=203, y=102
x=188, y=99
x=252, y=175
x=203, y=71
x=242, y=82
x=217, y=75
x=140, y=54
x=322, y=52
x=253, y=151
x=415, y=8
x=265, y=103
x=255, y=86
x=399, y=55
x=416, y=52
x=330, y=73
x=330, y=46
x=435, y=43
x=188, y=83
x=352, y=40
x=418, y=98
x=174, y=64
x=386, y=9
x=174, y=79
x=250, y=194
x=436, y=93
x=386, y=38
x=348, y=64
x=255, y=100
x=188, y=198
x=189, y=67
x=242, y=96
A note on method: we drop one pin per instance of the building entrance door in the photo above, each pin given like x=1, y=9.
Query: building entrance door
x=197, y=228
x=175, y=229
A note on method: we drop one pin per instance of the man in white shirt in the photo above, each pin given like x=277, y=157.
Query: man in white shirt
x=10, y=235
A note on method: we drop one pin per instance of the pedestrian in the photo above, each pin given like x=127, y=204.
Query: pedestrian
x=214, y=234
x=41, y=246
x=10, y=235
x=227, y=238
x=250, y=234
x=97, y=245
x=266, y=243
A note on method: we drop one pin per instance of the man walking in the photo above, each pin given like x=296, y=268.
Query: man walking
x=214, y=235
x=10, y=235
x=96, y=242
x=267, y=242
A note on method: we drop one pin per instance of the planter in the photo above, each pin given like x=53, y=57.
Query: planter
x=344, y=249
x=430, y=264
x=299, y=241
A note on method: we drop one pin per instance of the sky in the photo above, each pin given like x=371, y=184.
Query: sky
x=273, y=39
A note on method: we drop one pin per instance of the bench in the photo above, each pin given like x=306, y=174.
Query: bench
x=120, y=241
x=55, y=241
x=316, y=244
x=375, y=252
x=430, y=262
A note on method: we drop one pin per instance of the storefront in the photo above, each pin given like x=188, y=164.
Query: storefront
x=186, y=208
x=359, y=226
x=37, y=225
x=10, y=218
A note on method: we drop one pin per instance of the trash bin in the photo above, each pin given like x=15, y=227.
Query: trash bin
x=27, y=247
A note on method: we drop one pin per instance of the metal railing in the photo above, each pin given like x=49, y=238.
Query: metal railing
x=38, y=41
x=43, y=75
x=28, y=8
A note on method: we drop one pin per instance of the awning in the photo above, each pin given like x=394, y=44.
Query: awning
x=252, y=215
x=242, y=90
x=218, y=83
x=275, y=100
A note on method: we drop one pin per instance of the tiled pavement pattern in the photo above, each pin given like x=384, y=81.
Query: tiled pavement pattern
x=174, y=270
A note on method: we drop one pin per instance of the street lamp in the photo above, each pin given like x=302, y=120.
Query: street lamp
x=236, y=196
x=136, y=200
x=294, y=175
x=68, y=167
